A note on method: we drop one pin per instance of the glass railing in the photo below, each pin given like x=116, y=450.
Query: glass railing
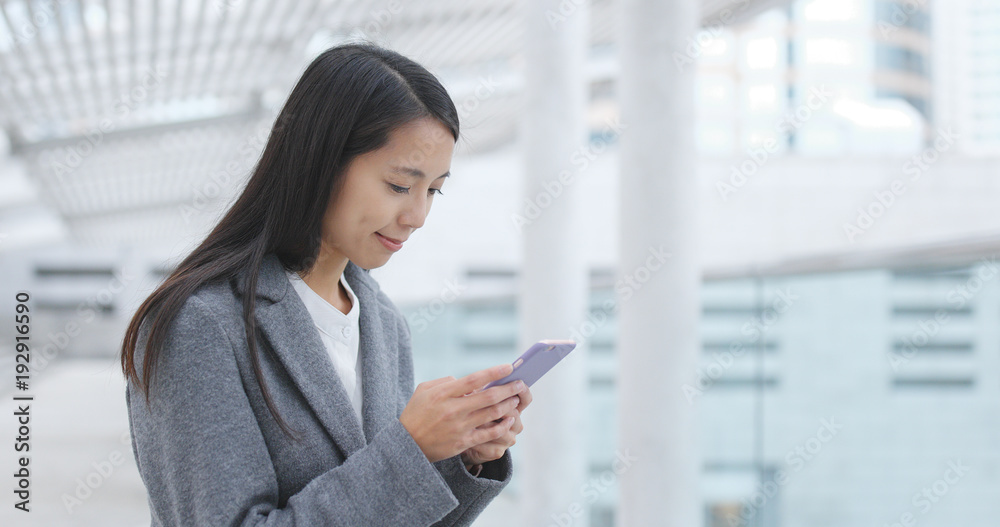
x=866, y=397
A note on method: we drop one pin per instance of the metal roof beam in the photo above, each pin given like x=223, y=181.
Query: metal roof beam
x=254, y=111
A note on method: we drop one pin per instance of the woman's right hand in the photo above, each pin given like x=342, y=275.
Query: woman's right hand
x=444, y=415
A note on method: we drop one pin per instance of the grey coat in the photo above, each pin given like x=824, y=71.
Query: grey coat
x=210, y=453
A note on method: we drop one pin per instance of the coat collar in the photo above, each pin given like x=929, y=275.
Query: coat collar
x=288, y=327
x=273, y=285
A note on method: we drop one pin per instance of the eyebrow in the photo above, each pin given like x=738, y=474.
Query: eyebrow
x=416, y=172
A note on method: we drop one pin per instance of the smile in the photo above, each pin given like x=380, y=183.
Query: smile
x=389, y=243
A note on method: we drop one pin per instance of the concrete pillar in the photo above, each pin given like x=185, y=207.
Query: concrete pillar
x=551, y=454
x=659, y=300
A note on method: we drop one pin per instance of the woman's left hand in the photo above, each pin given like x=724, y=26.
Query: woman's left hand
x=495, y=449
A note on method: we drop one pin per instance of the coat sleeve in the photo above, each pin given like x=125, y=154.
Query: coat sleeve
x=204, y=460
x=473, y=493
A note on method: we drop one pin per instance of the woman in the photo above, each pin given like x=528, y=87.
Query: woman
x=269, y=379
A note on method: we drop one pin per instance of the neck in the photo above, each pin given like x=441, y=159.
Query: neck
x=324, y=276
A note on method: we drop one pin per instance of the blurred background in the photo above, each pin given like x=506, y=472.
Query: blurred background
x=771, y=225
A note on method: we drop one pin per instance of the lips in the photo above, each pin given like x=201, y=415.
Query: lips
x=393, y=240
x=391, y=244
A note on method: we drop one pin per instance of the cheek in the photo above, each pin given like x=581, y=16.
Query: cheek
x=362, y=210
x=377, y=212
x=364, y=218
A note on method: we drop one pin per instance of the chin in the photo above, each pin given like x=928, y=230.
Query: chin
x=371, y=261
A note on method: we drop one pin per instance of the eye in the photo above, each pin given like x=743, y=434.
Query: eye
x=398, y=189
x=432, y=191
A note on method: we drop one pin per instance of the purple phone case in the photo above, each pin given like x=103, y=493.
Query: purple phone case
x=539, y=358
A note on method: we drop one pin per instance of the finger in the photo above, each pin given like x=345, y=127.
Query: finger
x=474, y=381
x=494, y=449
x=501, y=410
x=492, y=432
x=502, y=443
x=493, y=395
x=493, y=452
x=436, y=382
x=513, y=413
x=525, y=398
x=517, y=427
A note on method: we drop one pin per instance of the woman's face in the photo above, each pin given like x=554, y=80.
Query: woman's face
x=387, y=194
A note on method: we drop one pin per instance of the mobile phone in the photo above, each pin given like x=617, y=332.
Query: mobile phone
x=535, y=362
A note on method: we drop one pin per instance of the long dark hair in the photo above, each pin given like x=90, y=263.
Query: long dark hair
x=347, y=102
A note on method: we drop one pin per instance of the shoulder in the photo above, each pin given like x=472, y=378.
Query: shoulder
x=211, y=309
x=212, y=314
x=214, y=301
x=198, y=342
x=218, y=298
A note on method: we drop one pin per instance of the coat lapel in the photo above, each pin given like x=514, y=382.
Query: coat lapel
x=378, y=347
x=288, y=327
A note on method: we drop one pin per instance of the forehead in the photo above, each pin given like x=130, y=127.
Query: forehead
x=425, y=144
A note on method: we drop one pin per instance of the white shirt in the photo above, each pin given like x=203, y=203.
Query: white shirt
x=339, y=333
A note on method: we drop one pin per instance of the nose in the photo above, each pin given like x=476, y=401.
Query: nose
x=415, y=212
